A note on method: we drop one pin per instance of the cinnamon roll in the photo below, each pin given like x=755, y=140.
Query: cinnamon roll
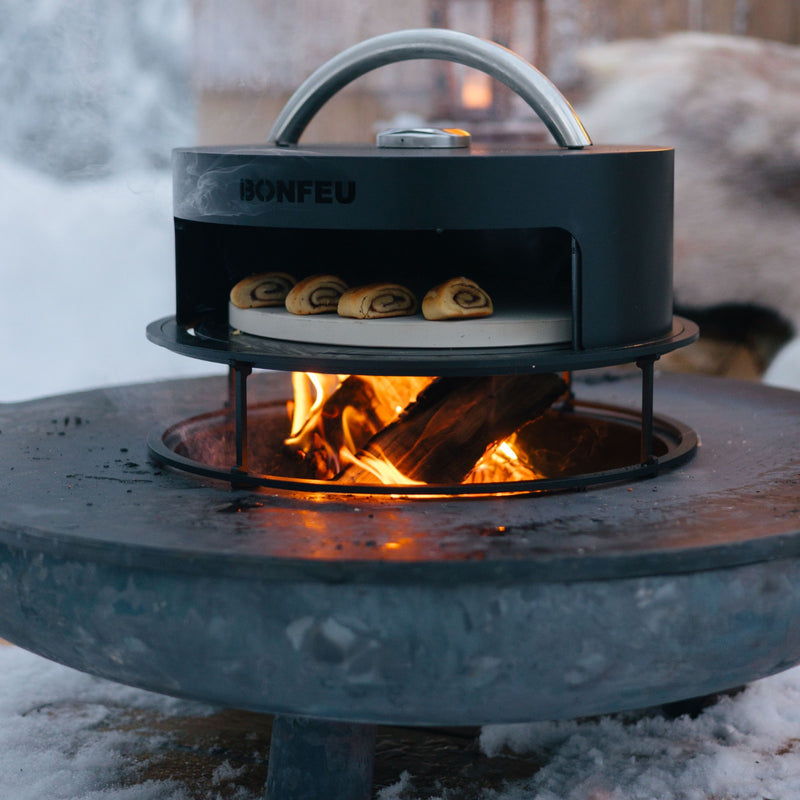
x=377, y=300
x=317, y=294
x=265, y=289
x=458, y=298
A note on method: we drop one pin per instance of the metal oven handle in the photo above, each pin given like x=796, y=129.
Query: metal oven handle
x=433, y=43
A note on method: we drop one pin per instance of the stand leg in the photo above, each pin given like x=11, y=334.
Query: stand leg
x=646, y=365
x=313, y=759
x=238, y=386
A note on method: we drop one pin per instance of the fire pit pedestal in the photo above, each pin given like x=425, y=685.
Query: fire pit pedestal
x=413, y=612
x=310, y=758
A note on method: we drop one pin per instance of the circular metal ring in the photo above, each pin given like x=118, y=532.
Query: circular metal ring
x=677, y=440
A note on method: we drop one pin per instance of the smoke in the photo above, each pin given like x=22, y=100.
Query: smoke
x=93, y=87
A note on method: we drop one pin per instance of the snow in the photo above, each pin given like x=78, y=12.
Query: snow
x=744, y=746
x=85, y=267
x=94, y=97
x=93, y=87
x=57, y=740
x=63, y=736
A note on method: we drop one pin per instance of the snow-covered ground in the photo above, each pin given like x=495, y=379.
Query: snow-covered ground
x=54, y=744
x=68, y=736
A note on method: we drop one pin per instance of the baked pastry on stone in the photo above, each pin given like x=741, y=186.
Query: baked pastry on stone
x=458, y=298
x=377, y=300
x=317, y=294
x=265, y=289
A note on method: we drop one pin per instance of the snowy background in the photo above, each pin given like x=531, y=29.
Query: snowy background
x=93, y=95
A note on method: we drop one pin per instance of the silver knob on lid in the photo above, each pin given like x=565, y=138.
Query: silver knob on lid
x=435, y=138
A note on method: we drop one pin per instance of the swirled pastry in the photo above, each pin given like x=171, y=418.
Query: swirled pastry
x=458, y=298
x=317, y=294
x=266, y=289
x=377, y=300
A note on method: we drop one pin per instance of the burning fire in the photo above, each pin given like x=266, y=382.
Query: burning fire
x=415, y=430
x=381, y=468
x=503, y=464
x=310, y=391
x=334, y=416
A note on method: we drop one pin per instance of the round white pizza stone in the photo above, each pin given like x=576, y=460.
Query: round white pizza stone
x=502, y=329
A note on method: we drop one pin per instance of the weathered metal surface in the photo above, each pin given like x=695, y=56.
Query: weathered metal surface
x=426, y=612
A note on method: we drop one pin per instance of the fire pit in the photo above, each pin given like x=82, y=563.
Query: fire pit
x=379, y=610
x=341, y=604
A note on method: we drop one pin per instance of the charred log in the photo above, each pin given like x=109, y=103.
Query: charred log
x=359, y=408
x=439, y=438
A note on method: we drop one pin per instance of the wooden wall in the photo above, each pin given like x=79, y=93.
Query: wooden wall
x=250, y=54
x=616, y=19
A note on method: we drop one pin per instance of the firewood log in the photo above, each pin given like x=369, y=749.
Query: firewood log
x=439, y=438
x=359, y=408
x=364, y=405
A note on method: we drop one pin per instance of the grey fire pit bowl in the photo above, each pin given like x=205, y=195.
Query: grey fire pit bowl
x=422, y=612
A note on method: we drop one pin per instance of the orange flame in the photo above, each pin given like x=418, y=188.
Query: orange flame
x=385, y=399
x=501, y=463
x=310, y=391
x=333, y=417
x=381, y=468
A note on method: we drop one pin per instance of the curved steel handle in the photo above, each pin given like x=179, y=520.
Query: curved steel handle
x=434, y=43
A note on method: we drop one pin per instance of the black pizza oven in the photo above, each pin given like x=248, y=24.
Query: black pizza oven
x=572, y=227
x=573, y=241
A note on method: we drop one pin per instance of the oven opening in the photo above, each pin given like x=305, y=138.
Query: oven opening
x=520, y=268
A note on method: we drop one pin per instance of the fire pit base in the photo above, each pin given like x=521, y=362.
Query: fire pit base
x=412, y=612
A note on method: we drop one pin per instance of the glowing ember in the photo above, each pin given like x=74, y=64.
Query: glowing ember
x=502, y=464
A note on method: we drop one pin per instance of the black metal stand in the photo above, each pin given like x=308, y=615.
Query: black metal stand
x=665, y=443
x=677, y=441
x=213, y=341
x=237, y=400
x=646, y=365
x=313, y=759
